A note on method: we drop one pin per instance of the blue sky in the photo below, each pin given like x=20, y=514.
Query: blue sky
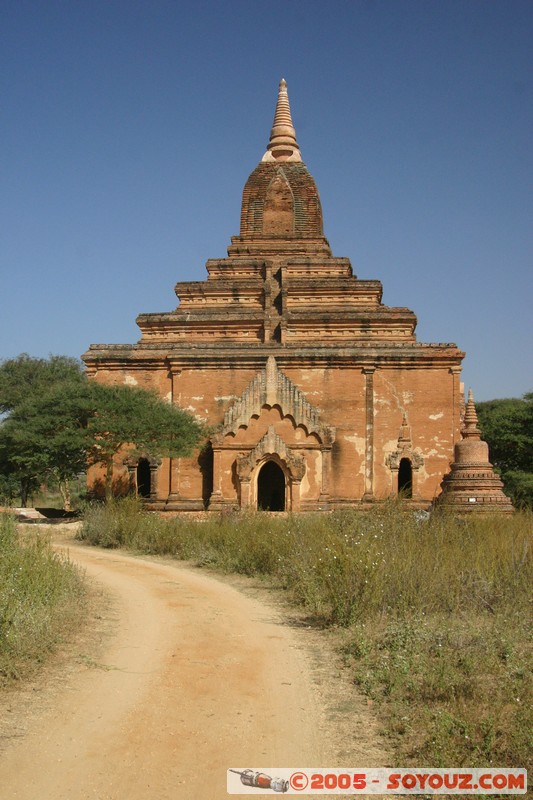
x=129, y=129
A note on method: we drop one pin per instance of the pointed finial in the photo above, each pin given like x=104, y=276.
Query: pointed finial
x=282, y=145
x=471, y=430
x=405, y=436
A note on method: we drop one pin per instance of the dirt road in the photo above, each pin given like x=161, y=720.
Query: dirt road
x=193, y=677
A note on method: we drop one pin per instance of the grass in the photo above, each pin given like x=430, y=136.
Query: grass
x=454, y=691
x=435, y=612
x=42, y=598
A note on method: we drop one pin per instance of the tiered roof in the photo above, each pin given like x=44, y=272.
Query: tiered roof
x=280, y=286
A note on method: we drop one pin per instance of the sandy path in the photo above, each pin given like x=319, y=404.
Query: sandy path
x=196, y=677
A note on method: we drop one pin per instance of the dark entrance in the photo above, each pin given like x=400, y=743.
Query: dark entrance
x=205, y=462
x=405, y=479
x=271, y=488
x=143, y=478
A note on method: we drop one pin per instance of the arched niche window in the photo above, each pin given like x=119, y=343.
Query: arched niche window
x=144, y=478
x=405, y=478
x=205, y=462
x=278, y=211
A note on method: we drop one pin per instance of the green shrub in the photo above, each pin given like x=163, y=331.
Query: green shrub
x=41, y=598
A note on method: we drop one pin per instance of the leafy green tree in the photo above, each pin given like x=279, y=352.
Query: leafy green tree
x=31, y=391
x=9, y=488
x=139, y=421
x=16, y=465
x=507, y=427
x=24, y=376
x=47, y=436
x=57, y=421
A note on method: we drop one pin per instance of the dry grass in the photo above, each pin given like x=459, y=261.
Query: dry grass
x=436, y=611
x=42, y=598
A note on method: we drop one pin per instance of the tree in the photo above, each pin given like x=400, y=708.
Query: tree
x=17, y=464
x=24, y=376
x=31, y=397
x=58, y=422
x=507, y=427
x=134, y=420
x=9, y=488
x=47, y=436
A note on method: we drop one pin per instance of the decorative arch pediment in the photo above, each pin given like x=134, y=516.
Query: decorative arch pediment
x=271, y=387
x=278, y=209
x=271, y=444
x=404, y=449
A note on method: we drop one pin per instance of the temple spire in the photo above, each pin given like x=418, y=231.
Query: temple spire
x=471, y=430
x=282, y=145
x=472, y=485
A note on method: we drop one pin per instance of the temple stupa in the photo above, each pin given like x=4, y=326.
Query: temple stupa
x=472, y=485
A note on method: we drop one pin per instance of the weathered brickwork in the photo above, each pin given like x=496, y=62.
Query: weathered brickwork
x=319, y=395
x=281, y=198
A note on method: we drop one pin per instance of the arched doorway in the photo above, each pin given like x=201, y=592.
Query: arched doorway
x=205, y=462
x=271, y=487
x=144, y=481
x=405, y=479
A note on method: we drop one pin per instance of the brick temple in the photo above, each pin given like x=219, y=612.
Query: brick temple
x=320, y=396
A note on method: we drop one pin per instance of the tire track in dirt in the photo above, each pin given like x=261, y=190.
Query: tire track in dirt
x=196, y=677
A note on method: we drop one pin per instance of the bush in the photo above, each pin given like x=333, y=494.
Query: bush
x=41, y=598
x=343, y=566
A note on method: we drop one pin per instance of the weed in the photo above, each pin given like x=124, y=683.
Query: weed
x=41, y=599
